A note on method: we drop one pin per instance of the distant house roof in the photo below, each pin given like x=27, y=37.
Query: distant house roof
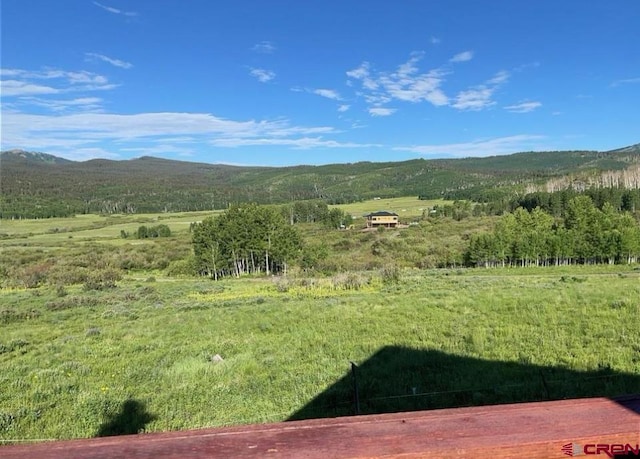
x=382, y=213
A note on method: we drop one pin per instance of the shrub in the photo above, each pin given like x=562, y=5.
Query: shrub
x=102, y=279
x=350, y=281
x=185, y=267
x=390, y=274
x=70, y=303
x=61, y=275
x=61, y=291
x=145, y=232
x=13, y=345
x=34, y=275
x=93, y=331
x=282, y=284
x=10, y=315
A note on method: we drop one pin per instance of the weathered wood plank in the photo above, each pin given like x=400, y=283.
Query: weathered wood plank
x=531, y=430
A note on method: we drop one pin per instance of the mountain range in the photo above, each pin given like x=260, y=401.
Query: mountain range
x=34, y=184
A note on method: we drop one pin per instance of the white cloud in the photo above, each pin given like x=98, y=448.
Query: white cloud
x=265, y=47
x=303, y=143
x=360, y=72
x=109, y=60
x=435, y=41
x=482, y=147
x=60, y=105
x=499, y=78
x=381, y=111
x=27, y=82
x=85, y=154
x=328, y=93
x=406, y=84
x=474, y=99
x=462, y=57
x=11, y=88
x=523, y=107
x=480, y=97
x=113, y=10
x=343, y=108
x=262, y=75
x=63, y=132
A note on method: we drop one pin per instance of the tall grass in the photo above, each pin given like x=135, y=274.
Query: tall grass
x=70, y=363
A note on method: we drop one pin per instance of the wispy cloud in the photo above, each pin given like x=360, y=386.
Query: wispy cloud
x=474, y=99
x=481, y=147
x=60, y=105
x=113, y=10
x=13, y=88
x=523, y=107
x=262, y=75
x=625, y=81
x=359, y=73
x=265, y=47
x=302, y=143
x=328, y=93
x=60, y=133
x=435, y=41
x=381, y=111
x=163, y=147
x=405, y=84
x=481, y=96
x=499, y=78
x=109, y=60
x=343, y=108
x=30, y=83
x=462, y=57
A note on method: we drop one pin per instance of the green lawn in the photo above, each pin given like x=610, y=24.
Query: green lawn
x=70, y=362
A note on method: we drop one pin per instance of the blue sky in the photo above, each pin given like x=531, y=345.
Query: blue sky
x=309, y=82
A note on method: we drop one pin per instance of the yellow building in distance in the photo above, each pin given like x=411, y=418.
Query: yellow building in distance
x=382, y=218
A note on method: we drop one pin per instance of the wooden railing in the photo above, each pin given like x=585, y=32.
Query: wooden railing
x=557, y=429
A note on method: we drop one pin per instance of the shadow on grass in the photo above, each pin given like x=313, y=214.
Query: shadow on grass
x=398, y=379
x=131, y=419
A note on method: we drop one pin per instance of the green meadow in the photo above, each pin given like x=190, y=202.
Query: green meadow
x=190, y=352
x=408, y=207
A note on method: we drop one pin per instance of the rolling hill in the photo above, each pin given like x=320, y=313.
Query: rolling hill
x=41, y=185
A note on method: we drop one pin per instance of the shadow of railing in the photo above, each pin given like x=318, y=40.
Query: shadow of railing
x=396, y=379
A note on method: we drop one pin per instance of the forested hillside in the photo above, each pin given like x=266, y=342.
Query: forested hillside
x=37, y=185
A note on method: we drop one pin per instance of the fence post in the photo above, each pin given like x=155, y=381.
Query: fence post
x=544, y=383
x=356, y=395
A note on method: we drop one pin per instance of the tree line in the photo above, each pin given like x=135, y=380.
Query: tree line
x=585, y=235
x=315, y=211
x=556, y=203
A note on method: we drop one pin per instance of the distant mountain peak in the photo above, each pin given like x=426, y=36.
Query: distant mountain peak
x=630, y=149
x=32, y=156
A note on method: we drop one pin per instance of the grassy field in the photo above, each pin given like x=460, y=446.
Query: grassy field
x=407, y=207
x=89, y=228
x=71, y=362
x=158, y=353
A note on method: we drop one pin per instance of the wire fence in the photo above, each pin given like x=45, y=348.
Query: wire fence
x=341, y=403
